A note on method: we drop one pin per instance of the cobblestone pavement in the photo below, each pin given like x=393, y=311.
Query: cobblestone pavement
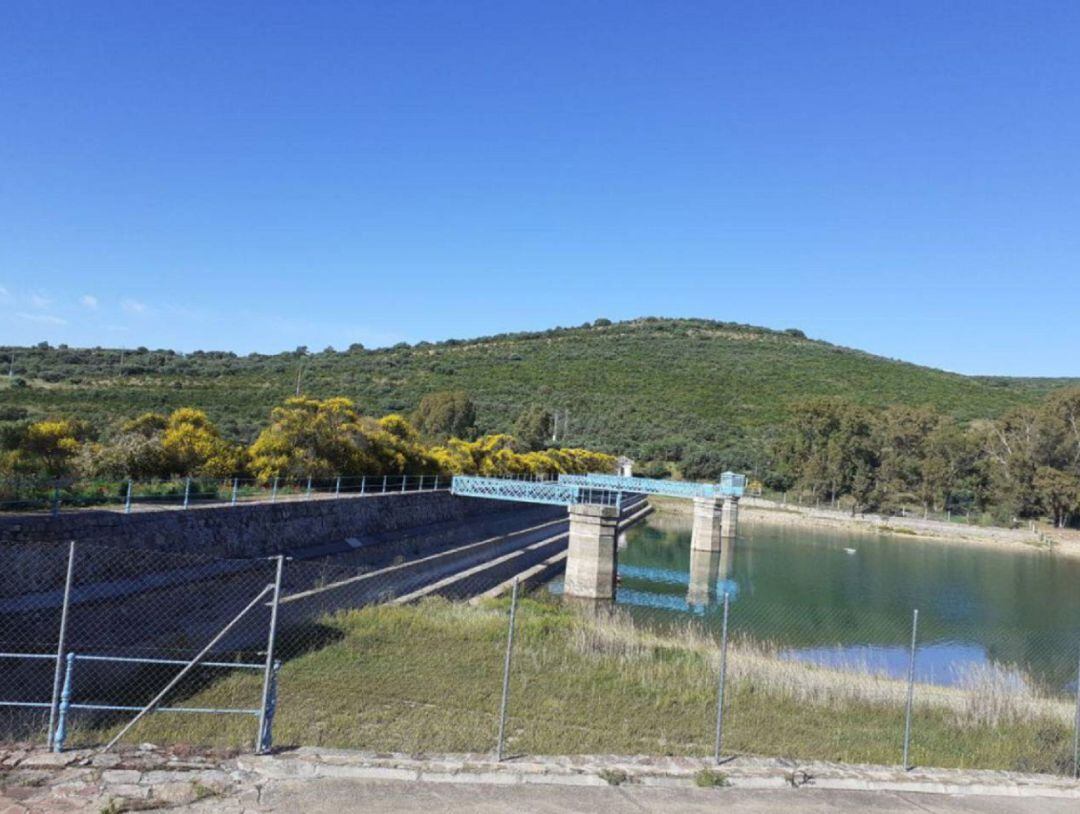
x=326, y=781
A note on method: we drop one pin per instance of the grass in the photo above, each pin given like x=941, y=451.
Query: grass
x=426, y=678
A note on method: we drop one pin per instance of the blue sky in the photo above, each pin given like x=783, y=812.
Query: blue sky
x=902, y=178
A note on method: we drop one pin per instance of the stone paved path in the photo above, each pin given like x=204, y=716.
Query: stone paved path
x=326, y=781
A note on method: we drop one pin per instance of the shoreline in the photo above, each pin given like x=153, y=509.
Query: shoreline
x=760, y=511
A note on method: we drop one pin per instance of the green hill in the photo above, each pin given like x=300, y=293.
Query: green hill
x=638, y=386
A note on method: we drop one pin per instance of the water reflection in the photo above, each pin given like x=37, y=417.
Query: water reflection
x=801, y=590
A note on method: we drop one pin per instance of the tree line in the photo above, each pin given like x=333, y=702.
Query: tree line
x=305, y=437
x=1024, y=464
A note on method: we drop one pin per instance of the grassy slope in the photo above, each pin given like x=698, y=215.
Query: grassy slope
x=624, y=384
x=427, y=678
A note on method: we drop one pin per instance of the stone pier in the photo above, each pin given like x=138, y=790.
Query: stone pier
x=727, y=562
x=704, y=572
x=706, y=532
x=730, y=525
x=591, y=555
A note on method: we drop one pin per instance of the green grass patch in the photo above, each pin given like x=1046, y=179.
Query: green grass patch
x=427, y=678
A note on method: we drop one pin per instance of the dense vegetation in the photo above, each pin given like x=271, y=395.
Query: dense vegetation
x=1023, y=464
x=692, y=396
x=306, y=437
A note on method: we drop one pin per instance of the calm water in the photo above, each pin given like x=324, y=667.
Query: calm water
x=840, y=598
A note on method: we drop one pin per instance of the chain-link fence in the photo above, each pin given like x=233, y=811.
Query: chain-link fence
x=446, y=652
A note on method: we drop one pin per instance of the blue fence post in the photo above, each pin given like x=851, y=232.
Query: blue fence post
x=65, y=706
x=273, y=494
x=309, y=485
x=127, y=499
x=337, y=486
x=235, y=487
x=266, y=735
x=187, y=491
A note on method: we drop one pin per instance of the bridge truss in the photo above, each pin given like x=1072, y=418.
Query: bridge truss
x=730, y=485
x=551, y=493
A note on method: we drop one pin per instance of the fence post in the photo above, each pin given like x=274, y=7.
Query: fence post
x=235, y=485
x=308, y=486
x=269, y=700
x=127, y=499
x=722, y=681
x=65, y=706
x=270, y=709
x=384, y=483
x=187, y=492
x=420, y=488
x=273, y=493
x=61, y=641
x=910, y=687
x=363, y=483
x=337, y=486
x=506, y=673
x=404, y=480
x=1076, y=729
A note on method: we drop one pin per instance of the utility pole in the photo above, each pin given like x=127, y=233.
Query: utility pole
x=555, y=428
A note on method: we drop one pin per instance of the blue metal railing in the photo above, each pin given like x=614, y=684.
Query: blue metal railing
x=68, y=704
x=551, y=493
x=731, y=485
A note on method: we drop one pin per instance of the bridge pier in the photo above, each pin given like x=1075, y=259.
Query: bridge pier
x=730, y=525
x=707, y=528
x=704, y=572
x=592, y=552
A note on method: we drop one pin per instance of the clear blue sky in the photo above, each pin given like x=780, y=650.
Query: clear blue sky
x=900, y=177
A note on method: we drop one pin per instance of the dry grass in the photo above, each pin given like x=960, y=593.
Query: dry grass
x=990, y=695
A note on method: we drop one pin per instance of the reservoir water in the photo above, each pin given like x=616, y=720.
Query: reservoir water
x=846, y=599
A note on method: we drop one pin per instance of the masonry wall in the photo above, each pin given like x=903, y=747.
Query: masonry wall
x=253, y=529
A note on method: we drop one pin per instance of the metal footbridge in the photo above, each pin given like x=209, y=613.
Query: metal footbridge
x=551, y=493
x=730, y=485
x=597, y=489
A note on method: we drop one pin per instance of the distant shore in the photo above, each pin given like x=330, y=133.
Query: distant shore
x=758, y=510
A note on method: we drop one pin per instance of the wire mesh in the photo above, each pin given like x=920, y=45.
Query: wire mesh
x=393, y=647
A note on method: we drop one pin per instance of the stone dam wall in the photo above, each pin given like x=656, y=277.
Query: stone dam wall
x=252, y=529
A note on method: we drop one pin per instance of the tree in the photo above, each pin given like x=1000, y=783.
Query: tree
x=53, y=444
x=309, y=437
x=1058, y=443
x=192, y=445
x=446, y=414
x=900, y=436
x=1059, y=493
x=533, y=428
x=827, y=447
x=1010, y=446
x=324, y=438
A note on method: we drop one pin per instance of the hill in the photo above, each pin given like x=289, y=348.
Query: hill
x=646, y=387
